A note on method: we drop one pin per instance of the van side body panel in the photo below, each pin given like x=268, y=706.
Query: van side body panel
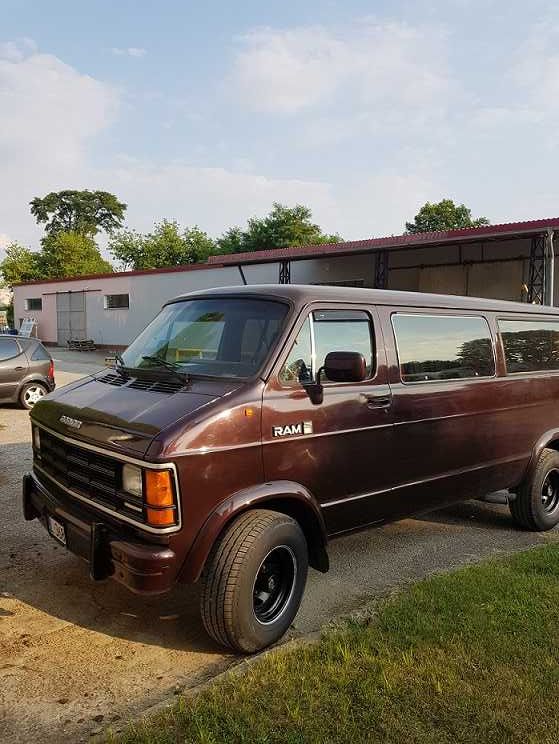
x=346, y=453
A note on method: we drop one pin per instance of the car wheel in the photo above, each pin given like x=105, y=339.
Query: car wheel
x=31, y=393
x=536, y=506
x=254, y=580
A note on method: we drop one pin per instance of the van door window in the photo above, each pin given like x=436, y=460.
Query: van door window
x=530, y=345
x=298, y=365
x=443, y=347
x=342, y=330
x=325, y=331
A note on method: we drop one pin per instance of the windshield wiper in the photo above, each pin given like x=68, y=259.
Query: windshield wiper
x=170, y=366
x=119, y=366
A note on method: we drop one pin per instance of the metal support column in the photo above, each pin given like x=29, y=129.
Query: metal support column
x=285, y=272
x=537, y=271
x=550, y=271
x=381, y=270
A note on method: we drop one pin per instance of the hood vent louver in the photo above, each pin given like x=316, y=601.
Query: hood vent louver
x=113, y=379
x=158, y=385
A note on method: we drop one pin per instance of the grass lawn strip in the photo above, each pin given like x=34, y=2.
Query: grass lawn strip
x=471, y=656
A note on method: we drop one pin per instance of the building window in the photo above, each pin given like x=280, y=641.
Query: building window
x=442, y=347
x=34, y=303
x=116, y=301
x=530, y=345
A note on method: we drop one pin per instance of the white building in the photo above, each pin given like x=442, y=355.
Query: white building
x=513, y=261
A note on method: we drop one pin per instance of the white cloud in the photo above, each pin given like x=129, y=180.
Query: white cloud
x=536, y=68
x=374, y=64
x=50, y=113
x=128, y=51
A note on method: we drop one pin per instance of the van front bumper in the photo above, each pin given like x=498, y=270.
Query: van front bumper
x=143, y=567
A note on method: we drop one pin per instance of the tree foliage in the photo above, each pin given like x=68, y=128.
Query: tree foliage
x=84, y=212
x=281, y=228
x=70, y=254
x=167, y=245
x=20, y=265
x=445, y=215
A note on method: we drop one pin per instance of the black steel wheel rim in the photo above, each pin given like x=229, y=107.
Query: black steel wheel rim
x=550, y=491
x=274, y=584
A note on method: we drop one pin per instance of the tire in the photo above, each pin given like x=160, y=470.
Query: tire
x=536, y=506
x=30, y=393
x=254, y=580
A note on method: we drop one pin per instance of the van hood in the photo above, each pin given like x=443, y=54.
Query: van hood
x=117, y=415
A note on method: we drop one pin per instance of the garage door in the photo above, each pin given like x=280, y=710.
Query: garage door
x=70, y=316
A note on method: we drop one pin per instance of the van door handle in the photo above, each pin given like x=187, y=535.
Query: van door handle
x=18, y=369
x=377, y=400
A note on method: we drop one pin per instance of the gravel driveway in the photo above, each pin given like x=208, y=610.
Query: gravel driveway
x=77, y=656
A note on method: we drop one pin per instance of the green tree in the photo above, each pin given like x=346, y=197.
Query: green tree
x=70, y=254
x=281, y=228
x=84, y=212
x=166, y=245
x=20, y=265
x=445, y=215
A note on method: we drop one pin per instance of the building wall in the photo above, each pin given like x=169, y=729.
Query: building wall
x=146, y=292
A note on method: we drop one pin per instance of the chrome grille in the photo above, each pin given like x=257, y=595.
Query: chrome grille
x=88, y=473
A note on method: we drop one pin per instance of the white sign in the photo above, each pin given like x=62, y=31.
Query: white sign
x=27, y=327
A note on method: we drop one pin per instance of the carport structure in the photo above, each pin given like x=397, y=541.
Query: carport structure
x=513, y=261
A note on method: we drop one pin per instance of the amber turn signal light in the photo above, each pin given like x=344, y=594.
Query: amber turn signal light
x=160, y=517
x=159, y=488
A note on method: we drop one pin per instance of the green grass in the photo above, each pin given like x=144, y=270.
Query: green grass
x=471, y=656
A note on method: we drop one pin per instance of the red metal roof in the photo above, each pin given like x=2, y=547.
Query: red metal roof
x=133, y=272
x=487, y=232
x=509, y=229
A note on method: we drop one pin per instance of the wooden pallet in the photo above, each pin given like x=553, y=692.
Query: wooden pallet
x=79, y=344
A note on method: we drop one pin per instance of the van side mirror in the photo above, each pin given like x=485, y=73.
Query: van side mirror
x=339, y=366
x=345, y=366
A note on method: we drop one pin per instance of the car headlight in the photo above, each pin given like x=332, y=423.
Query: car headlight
x=132, y=481
x=36, y=438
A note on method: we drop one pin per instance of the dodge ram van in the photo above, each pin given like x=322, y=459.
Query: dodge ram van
x=246, y=426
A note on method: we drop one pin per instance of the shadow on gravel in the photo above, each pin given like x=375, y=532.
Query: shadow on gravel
x=476, y=513
x=37, y=571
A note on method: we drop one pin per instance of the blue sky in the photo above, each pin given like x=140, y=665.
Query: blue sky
x=209, y=112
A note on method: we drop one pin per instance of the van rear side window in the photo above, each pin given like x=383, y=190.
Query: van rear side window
x=530, y=345
x=443, y=347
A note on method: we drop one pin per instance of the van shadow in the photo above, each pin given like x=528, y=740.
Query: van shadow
x=481, y=514
x=37, y=571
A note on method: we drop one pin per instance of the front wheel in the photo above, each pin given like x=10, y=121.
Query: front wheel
x=31, y=393
x=254, y=580
x=536, y=506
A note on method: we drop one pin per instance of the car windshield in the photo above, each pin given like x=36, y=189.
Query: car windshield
x=223, y=337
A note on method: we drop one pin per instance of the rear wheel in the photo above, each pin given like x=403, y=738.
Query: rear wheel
x=254, y=580
x=31, y=393
x=536, y=506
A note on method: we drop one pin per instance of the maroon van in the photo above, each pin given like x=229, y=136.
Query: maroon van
x=245, y=426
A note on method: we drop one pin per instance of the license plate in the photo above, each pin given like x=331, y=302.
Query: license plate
x=56, y=529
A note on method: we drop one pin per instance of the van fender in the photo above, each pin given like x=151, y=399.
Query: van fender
x=284, y=496
x=549, y=439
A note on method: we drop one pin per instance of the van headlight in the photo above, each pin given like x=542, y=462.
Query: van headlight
x=132, y=481
x=37, y=438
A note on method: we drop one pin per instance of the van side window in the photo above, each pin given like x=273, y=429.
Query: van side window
x=298, y=365
x=330, y=330
x=342, y=330
x=442, y=347
x=530, y=345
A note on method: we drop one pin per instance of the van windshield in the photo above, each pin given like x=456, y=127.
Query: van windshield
x=214, y=337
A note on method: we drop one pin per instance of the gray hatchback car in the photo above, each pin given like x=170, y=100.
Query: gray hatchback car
x=26, y=371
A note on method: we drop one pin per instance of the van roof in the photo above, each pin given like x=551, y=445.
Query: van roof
x=302, y=294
